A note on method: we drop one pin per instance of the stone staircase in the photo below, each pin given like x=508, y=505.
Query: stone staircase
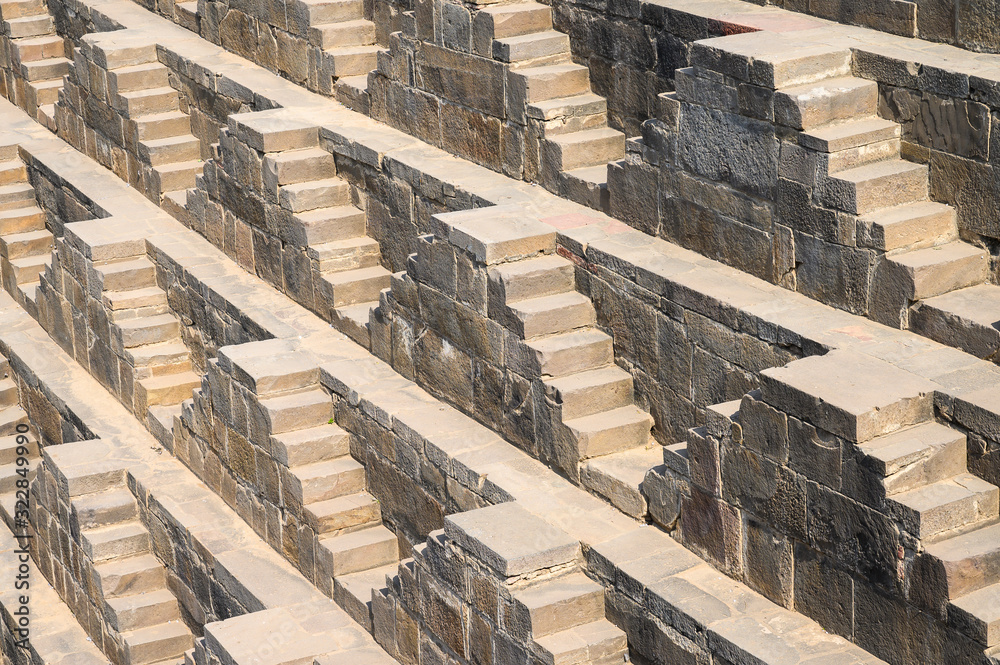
x=565, y=616
x=141, y=613
x=25, y=242
x=601, y=437
x=860, y=171
x=37, y=58
x=146, y=334
x=17, y=440
x=348, y=49
x=319, y=216
x=567, y=123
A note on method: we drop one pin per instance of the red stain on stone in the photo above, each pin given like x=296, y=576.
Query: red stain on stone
x=857, y=332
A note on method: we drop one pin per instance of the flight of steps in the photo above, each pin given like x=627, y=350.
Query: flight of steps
x=147, y=335
x=318, y=216
x=564, y=116
x=140, y=611
x=38, y=57
x=171, y=155
x=861, y=172
x=15, y=433
x=25, y=242
x=602, y=437
x=566, y=620
x=347, y=45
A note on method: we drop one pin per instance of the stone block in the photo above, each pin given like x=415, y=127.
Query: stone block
x=496, y=234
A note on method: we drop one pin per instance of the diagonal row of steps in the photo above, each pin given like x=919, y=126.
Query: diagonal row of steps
x=608, y=443
x=348, y=45
x=37, y=55
x=17, y=440
x=129, y=580
x=318, y=215
x=862, y=173
x=147, y=335
x=25, y=241
x=576, y=142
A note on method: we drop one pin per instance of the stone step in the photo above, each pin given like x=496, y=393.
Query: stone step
x=21, y=8
x=587, y=186
x=186, y=15
x=323, y=225
x=816, y=104
x=358, y=32
x=354, y=321
x=977, y=614
x=915, y=456
x=569, y=353
x=966, y=319
x=909, y=226
x=551, y=81
x=136, y=299
x=156, y=643
x=175, y=203
x=925, y=273
x=162, y=125
x=150, y=101
x=947, y=505
x=301, y=410
x=166, y=389
x=970, y=560
x=353, y=552
x=179, y=175
x=144, y=76
x=884, y=184
x=354, y=592
x=314, y=444
x=13, y=171
x=45, y=116
x=141, y=610
x=124, y=539
x=547, y=46
x=352, y=92
x=9, y=447
x=345, y=61
x=29, y=26
x=531, y=278
x=45, y=70
x=27, y=269
x=580, y=105
x=559, y=604
x=610, y=431
x=46, y=93
x=552, y=314
x=850, y=134
x=351, y=287
x=591, y=392
x=30, y=243
x=325, y=193
x=127, y=275
x=323, y=12
x=160, y=422
x=509, y=20
x=17, y=196
x=298, y=166
x=11, y=473
x=596, y=643
x=590, y=147
x=349, y=254
x=158, y=152
x=161, y=358
x=319, y=481
x=148, y=330
x=10, y=418
x=112, y=506
x=343, y=512
x=21, y=220
x=8, y=392
x=129, y=575
x=618, y=477
x=37, y=48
